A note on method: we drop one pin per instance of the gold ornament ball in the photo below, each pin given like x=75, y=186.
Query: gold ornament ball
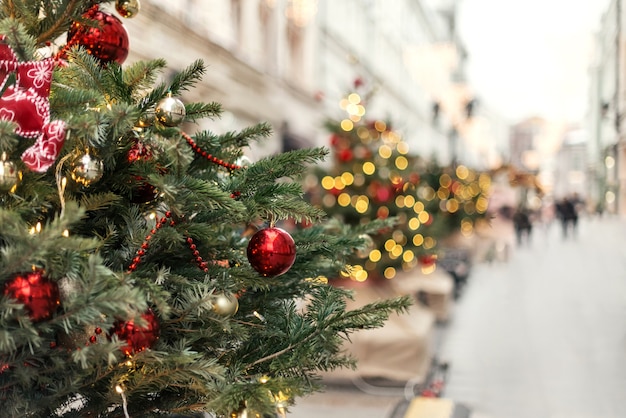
x=86, y=169
x=9, y=176
x=225, y=304
x=170, y=111
x=127, y=8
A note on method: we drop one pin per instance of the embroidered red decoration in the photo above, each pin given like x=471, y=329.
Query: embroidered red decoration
x=27, y=104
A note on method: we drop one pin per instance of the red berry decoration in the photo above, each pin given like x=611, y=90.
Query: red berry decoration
x=138, y=338
x=271, y=251
x=39, y=295
x=107, y=41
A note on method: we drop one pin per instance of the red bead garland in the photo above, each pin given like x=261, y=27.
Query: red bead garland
x=146, y=243
x=204, y=266
x=208, y=156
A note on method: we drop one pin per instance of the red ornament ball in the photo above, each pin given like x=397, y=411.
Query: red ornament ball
x=271, y=251
x=138, y=338
x=39, y=295
x=107, y=41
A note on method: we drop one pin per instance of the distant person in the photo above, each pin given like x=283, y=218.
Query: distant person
x=568, y=215
x=523, y=225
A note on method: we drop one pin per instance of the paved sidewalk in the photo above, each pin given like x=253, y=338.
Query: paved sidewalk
x=542, y=335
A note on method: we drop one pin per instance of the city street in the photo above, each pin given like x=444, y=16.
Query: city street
x=542, y=335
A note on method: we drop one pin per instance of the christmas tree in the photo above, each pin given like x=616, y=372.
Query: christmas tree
x=375, y=176
x=143, y=269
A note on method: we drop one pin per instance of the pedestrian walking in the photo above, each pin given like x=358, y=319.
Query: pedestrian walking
x=568, y=215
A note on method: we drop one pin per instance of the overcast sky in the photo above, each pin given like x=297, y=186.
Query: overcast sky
x=530, y=57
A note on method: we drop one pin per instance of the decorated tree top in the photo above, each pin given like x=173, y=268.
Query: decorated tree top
x=375, y=176
x=143, y=269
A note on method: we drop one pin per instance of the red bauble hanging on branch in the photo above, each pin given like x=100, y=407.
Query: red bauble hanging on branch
x=271, y=251
x=39, y=295
x=107, y=41
x=138, y=338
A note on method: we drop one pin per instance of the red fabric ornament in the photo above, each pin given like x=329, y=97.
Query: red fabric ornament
x=27, y=104
x=108, y=41
x=271, y=251
x=138, y=338
x=39, y=295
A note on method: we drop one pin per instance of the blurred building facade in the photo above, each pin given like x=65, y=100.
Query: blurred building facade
x=607, y=98
x=289, y=62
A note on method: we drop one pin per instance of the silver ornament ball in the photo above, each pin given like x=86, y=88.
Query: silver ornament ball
x=170, y=111
x=86, y=169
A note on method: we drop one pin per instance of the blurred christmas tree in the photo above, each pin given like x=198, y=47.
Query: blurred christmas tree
x=138, y=276
x=375, y=176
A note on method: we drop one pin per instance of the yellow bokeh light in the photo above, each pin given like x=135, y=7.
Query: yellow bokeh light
x=481, y=204
x=409, y=201
x=418, y=240
x=445, y=180
x=369, y=168
x=360, y=110
x=360, y=275
x=462, y=172
x=385, y=151
x=354, y=98
x=343, y=103
x=484, y=181
x=343, y=199
x=414, y=224
x=423, y=216
x=390, y=244
x=362, y=205
x=347, y=178
x=397, y=251
x=443, y=193
x=380, y=126
x=429, y=242
x=400, y=201
x=328, y=182
x=401, y=162
x=355, y=118
x=339, y=184
x=452, y=205
x=403, y=147
x=375, y=256
x=429, y=269
x=363, y=133
x=347, y=125
x=418, y=207
x=408, y=256
x=352, y=109
x=390, y=273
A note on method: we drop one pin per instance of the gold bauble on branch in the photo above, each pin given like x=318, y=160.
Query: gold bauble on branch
x=127, y=8
x=225, y=304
